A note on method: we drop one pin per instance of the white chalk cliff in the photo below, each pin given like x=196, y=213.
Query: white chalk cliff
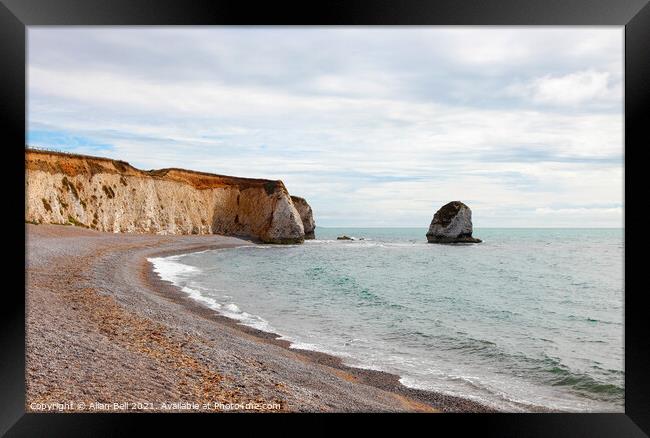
x=110, y=195
x=307, y=216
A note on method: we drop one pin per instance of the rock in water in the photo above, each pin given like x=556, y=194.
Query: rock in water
x=452, y=224
x=306, y=215
x=344, y=237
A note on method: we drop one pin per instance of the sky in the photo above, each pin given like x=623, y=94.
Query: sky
x=374, y=126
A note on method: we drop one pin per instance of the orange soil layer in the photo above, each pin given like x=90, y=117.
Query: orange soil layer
x=75, y=164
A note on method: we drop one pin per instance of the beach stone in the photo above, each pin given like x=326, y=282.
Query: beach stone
x=452, y=224
x=306, y=215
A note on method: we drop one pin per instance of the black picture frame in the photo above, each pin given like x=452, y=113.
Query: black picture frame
x=15, y=15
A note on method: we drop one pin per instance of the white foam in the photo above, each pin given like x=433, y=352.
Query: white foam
x=303, y=345
x=257, y=322
x=489, y=395
x=197, y=286
x=232, y=307
x=296, y=344
x=169, y=269
x=197, y=296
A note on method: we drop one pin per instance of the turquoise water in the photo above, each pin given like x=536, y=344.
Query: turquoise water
x=530, y=318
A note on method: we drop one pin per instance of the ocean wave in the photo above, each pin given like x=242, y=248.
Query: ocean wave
x=546, y=369
x=486, y=396
x=232, y=308
x=585, y=384
x=336, y=289
x=170, y=269
x=198, y=296
x=591, y=320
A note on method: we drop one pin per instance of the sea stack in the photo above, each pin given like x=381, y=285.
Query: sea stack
x=306, y=215
x=452, y=224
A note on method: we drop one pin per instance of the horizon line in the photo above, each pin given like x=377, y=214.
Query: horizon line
x=523, y=228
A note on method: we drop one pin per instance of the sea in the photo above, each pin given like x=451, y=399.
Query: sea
x=528, y=320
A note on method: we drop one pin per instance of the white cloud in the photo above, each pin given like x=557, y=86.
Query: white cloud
x=373, y=126
x=571, y=89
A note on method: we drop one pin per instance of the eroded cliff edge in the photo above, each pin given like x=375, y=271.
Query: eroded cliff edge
x=306, y=215
x=113, y=196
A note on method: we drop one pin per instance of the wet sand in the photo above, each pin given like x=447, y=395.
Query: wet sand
x=104, y=333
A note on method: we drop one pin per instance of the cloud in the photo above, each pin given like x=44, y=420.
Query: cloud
x=571, y=89
x=374, y=126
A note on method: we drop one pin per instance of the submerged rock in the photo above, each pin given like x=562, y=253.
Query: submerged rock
x=452, y=224
x=306, y=215
x=344, y=237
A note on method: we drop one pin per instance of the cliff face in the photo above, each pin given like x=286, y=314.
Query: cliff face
x=113, y=196
x=306, y=215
